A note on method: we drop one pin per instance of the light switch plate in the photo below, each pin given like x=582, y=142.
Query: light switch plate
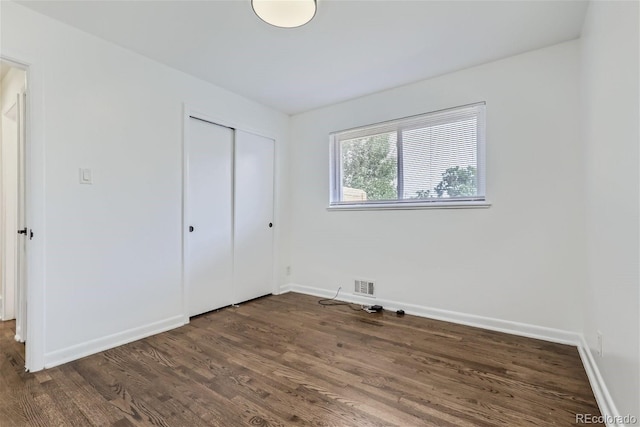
x=85, y=176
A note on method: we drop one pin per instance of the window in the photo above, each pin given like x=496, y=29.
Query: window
x=432, y=160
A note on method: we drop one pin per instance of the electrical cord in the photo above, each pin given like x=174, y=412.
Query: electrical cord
x=328, y=301
x=332, y=301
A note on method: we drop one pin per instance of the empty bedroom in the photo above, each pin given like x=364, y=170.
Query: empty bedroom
x=320, y=212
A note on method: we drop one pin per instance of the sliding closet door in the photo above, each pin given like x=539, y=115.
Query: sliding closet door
x=209, y=210
x=253, y=246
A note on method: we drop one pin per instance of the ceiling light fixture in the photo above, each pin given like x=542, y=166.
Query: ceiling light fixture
x=285, y=13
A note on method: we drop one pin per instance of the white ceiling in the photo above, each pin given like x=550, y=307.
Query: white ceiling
x=350, y=49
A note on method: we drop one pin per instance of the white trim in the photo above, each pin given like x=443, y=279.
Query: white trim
x=284, y=289
x=185, y=198
x=97, y=345
x=409, y=206
x=600, y=391
x=499, y=325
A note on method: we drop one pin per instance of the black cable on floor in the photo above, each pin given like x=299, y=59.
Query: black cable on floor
x=332, y=301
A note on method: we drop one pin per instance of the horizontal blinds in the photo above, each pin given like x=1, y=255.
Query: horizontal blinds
x=438, y=156
x=423, y=120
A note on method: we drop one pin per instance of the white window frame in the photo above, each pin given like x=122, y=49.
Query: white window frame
x=399, y=126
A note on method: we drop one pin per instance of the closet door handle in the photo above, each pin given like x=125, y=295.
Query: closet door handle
x=270, y=224
x=191, y=229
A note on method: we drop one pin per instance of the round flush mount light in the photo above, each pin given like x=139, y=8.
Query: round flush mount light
x=285, y=13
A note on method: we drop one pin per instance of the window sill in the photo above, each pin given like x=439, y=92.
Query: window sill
x=410, y=206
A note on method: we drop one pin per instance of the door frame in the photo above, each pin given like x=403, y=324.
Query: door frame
x=201, y=114
x=34, y=201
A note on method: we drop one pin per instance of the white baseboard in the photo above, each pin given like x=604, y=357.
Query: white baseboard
x=284, y=289
x=499, y=325
x=600, y=391
x=78, y=351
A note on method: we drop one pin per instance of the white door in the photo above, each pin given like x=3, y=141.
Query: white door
x=253, y=225
x=21, y=280
x=208, y=214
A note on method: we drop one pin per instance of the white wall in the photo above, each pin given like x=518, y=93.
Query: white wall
x=112, y=250
x=12, y=84
x=611, y=111
x=521, y=260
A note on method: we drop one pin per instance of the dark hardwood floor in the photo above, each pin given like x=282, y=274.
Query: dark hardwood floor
x=285, y=360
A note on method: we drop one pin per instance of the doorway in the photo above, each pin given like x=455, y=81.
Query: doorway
x=13, y=231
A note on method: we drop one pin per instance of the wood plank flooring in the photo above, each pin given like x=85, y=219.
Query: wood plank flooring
x=286, y=361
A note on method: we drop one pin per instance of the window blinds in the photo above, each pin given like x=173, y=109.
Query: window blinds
x=437, y=156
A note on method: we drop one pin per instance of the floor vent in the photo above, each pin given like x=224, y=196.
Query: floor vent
x=364, y=287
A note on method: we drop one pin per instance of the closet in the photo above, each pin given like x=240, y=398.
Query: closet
x=228, y=216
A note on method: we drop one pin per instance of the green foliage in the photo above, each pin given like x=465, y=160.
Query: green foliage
x=367, y=165
x=423, y=194
x=457, y=182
